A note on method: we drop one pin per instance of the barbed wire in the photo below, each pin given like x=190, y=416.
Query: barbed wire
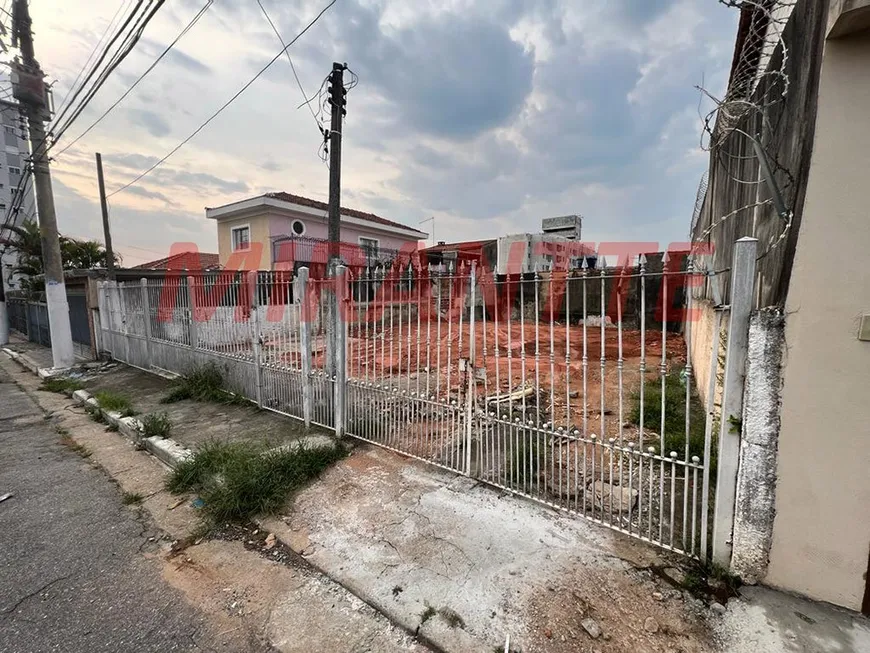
x=741, y=131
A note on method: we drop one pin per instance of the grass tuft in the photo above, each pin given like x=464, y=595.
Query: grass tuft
x=131, y=498
x=203, y=383
x=238, y=480
x=523, y=459
x=95, y=414
x=675, y=414
x=452, y=617
x=61, y=385
x=115, y=402
x=67, y=441
x=427, y=614
x=156, y=424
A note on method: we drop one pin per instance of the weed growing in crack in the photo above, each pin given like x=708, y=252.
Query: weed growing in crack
x=95, y=414
x=203, y=383
x=115, y=403
x=67, y=441
x=427, y=614
x=452, y=617
x=131, y=498
x=112, y=428
x=238, y=480
x=156, y=425
x=61, y=385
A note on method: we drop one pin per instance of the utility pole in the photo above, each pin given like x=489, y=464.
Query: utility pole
x=4, y=314
x=107, y=234
x=29, y=88
x=338, y=101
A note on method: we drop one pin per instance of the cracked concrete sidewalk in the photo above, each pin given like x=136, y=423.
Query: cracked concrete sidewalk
x=408, y=537
x=412, y=540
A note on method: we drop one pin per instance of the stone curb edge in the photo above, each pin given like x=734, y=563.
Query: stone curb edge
x=166, y=450
x=171, y=453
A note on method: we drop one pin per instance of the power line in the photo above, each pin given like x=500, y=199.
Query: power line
x=129, y=43
x=62, y=113
x=227, y=103
x=94, y=51
x=187, y=28
x=292, y=67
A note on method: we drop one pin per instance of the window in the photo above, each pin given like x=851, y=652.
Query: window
x=241, y=238
x=298, y=227
x=369, y=247
x=9, y=130
x=14, y=171
x=2, y=206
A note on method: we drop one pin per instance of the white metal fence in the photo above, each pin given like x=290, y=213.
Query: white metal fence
x=573, y=389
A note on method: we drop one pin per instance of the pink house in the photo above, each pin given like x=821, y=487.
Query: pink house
x=280, y=230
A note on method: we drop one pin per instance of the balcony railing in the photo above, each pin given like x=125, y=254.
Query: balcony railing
x=302, y=249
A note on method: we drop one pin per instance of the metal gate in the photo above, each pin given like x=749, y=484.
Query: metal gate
x=572, y=388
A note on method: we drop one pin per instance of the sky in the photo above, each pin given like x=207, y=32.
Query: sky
x=488, y=116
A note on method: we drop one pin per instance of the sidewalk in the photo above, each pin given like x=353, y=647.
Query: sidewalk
x=193, y=423
x=468, y=566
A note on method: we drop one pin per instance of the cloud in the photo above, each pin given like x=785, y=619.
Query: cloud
x=153, y=123
x=446, y=77
x=131, y=161
x=149, y=194
x=488, y=115
x=182, y=60
x=198, y=181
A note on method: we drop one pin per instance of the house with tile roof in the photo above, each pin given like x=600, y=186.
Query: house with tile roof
x=191, y=261
x=280, y=230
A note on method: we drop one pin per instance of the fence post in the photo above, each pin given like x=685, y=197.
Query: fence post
x=191, y=312
x=305, y=344
x=146, y=315
x=742, y=295
x=257, y=338
x=27, y=323
x=340, y=324
x=106, y=320
x=469, y=370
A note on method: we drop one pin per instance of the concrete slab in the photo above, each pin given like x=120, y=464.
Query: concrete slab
x=407, y=537
x=762, y=620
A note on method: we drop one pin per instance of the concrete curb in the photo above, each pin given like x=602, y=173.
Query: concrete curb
x=166, y=450
x=26, y=361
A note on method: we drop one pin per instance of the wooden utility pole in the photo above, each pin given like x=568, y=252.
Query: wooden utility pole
x=29, y=89
x=107, y=234
x=338, y=101
x=337, y=98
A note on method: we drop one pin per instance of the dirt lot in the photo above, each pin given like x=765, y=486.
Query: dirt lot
x=426, y=360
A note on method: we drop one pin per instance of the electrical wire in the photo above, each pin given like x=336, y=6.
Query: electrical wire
x=292, y=66
x=226, y=104
x=61, y=114
x=187, y=28
x=130, y=42
x=94, y=51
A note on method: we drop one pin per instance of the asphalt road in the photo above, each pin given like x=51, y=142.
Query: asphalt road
x=72, y=573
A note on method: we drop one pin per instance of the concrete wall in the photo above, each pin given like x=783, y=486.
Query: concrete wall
x=704, y=336
x=822, y=528
x=259, y=234
x=756, y=482
x=790, y=143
